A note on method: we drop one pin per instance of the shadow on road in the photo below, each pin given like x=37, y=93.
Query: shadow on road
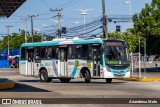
x=92, y=82
x=73, y=81
x=24, y=88
x=28, y=80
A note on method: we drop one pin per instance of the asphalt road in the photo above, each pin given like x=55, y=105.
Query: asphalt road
x=30, y=87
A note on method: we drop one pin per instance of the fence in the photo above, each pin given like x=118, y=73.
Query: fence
x=4, y=59
x=4, y=64
x=148, y=66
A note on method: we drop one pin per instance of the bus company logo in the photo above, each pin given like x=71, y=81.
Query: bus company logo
x=70, y=63
x=6, y=101
x=83, y=64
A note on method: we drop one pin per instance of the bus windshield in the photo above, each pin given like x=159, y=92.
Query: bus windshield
x=116, y=55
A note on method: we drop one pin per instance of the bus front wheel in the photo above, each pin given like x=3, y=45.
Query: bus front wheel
x=44, y=76
x=108, y=80
x=65, y=80
x=87, y=77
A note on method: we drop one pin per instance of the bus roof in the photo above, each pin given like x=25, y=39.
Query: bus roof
x=63, y=41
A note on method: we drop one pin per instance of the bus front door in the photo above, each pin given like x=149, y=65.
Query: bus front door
x=63, y=62
x=30, y=65
x=96, y=60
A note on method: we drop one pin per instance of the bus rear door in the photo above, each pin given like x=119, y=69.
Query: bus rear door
x=63, y=61
x=30, y=65
x=96, y=60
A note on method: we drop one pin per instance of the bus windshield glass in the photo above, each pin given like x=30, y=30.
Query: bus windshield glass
x=116, y=53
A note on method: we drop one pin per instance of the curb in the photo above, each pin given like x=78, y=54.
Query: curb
x=140, y=79
x=7, y=85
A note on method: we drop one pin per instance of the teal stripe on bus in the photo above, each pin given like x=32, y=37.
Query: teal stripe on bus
x=99, y=41
x=40, y=44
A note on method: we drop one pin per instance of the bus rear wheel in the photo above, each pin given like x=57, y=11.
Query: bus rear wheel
x=44, y=76
x=65, y=80
x=87, y=77
x=108, y=80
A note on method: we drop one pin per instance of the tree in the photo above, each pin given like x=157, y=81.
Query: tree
x=130, y=39
x=16, y=40
x=147, y=24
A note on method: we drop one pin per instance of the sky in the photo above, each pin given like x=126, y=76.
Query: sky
x=70, y=15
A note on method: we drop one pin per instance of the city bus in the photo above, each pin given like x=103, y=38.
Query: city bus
x=66, y=59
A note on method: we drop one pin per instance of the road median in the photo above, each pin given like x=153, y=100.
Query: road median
x=6, y=84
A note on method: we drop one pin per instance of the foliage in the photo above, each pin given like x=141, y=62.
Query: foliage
x=147, y=24
x=130, y=39
x=16, y=40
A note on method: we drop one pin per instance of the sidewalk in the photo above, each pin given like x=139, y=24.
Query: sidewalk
x=141, y=79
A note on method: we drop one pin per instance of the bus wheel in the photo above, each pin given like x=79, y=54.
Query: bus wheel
x=44, y=76
x=65, y=80
x=87, y=77
x=108, y=80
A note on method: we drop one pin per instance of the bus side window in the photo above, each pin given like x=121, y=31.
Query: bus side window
x=49, y=53
x=85, y=51
x=70, y=52
x=36, y=53
x=23, y=53
x=78, y=51
x=89, y=55
x=43, y=52
x=55, y=52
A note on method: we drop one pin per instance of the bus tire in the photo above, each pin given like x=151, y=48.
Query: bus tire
x=108, y=80
x=65, y=80
x=87, y=77
x=44, y=76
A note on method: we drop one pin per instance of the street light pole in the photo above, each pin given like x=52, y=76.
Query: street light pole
x=84, y=13
x=8, y=38
x=84, y=24
x=130, y=11
x=25, y=27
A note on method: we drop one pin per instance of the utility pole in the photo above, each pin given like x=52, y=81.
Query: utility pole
x=144, y=57
x=32, y=32
x=130, y=12
x=58, y=22
x=25, y=27
x=139, y=57
x=8, y=38
x=104, y=20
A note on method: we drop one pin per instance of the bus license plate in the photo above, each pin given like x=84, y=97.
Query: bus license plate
x=119, y=74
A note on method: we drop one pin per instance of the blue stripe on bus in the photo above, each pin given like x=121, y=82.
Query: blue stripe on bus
x=74, y=69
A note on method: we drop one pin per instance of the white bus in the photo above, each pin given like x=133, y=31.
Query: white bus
x=66, y=59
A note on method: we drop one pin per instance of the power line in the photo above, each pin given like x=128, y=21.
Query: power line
x=45, y=4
